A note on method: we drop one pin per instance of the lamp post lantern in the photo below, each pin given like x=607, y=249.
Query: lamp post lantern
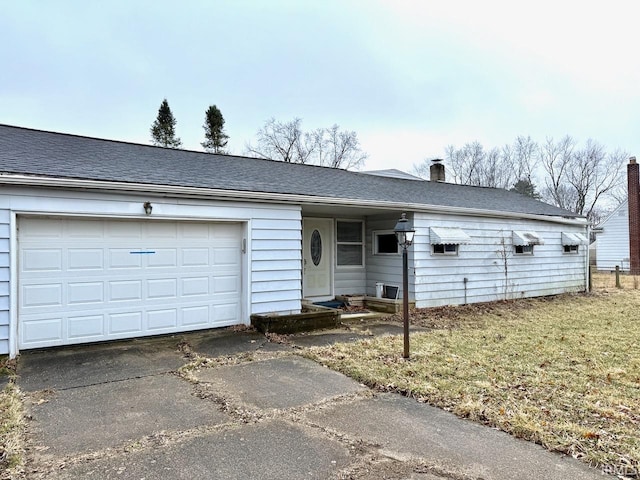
x=404, y=234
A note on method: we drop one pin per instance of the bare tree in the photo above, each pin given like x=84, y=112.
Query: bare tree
x=593, y=174
x=578, y=179
x=555, y=158
x=339, y=149
x=280, y=141
x=525, y=158
x=287, y=142
x=465, y=162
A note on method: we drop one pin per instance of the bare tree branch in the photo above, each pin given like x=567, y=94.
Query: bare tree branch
x=287, y=142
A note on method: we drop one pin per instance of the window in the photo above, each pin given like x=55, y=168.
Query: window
x=523, y=249
x=444, y=249
x=349, y=244
x=385, y=243
x=571, y=242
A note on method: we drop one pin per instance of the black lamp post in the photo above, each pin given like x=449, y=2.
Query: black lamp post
x=404, y=233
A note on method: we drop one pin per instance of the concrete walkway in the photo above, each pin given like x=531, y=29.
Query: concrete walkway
x=246, y=408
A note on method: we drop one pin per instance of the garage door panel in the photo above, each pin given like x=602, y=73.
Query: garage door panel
x=84, y=229
x=86, y=327
x=226, y=256
x=43, y=295
x=80, y=259
x=120, y=258
x=123, y=230
x=195, y=231
x=195, y=257
x=162, y=319
x=41, y=228
x=158, y=230
x=195, y=286
x=85, y=292
x=162, y=288
x=162, y=257
x=43, y=331
x=195, y=316
x=41, y=260
x=135, y=279
x=222, y=314
x=226, y=284
x=125, y=323
x=125, y=290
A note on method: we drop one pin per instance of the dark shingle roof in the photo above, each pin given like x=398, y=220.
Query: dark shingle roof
x=34, y=152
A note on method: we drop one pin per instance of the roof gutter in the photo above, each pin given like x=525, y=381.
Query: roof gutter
x=196, y=192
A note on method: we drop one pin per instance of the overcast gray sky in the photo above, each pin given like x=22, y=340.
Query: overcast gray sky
x=410, y=77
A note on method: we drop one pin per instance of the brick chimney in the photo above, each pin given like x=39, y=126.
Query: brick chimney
x=633, y=179
x=436, y=171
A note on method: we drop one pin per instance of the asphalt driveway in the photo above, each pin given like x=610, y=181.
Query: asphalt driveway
x=232, y=405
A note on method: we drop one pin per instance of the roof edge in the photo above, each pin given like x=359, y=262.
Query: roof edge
x=268, y=197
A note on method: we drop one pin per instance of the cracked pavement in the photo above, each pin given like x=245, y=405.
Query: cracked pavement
x=233, y=405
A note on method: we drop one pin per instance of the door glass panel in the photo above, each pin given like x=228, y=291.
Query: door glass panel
x=316, y=248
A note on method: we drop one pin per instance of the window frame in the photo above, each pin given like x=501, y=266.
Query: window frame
x=454, y=253
x=527, y=250
x=374, y=242
x=361, y=242
x=571, y=249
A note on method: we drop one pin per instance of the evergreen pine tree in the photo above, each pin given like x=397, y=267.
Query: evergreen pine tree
x=163, y=130
x=215, y=137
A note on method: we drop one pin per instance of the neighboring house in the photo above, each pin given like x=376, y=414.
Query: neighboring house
x=612, y=240
x=103, y=240
x=618, y=235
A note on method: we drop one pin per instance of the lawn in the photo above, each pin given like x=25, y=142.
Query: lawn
x=563, y=371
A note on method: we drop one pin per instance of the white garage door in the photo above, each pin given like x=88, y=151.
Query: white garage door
x=88, y=280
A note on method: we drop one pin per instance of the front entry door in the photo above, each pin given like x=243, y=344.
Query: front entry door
x=317, y=242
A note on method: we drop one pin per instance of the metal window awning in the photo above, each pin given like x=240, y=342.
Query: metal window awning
x=521, y=238
x=574, y=239
x=447, y=236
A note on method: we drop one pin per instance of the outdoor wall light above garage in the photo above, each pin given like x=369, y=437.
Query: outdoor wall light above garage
x=148, y=208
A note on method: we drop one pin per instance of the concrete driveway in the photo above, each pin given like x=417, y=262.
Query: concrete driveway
x=245, y=408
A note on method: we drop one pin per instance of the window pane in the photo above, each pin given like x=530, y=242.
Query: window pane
x=387, y=243
x=350, y=255
x=349, y=232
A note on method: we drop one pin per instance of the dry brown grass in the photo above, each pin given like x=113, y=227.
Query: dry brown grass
x=563, y=372
x=607, y=281
x=12, y=423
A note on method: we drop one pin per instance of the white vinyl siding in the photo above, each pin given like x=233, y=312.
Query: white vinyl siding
x=276, y=244
x=385, y=269
x=612, y=247
x=440, y=279
x=5, y=217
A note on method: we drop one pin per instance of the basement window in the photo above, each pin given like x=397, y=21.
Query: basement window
x=523, y=242
x=571, y=242
x=385, y=243
x=523, y=249
x=444, y=249
x=349, y=243
x=447, y=240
